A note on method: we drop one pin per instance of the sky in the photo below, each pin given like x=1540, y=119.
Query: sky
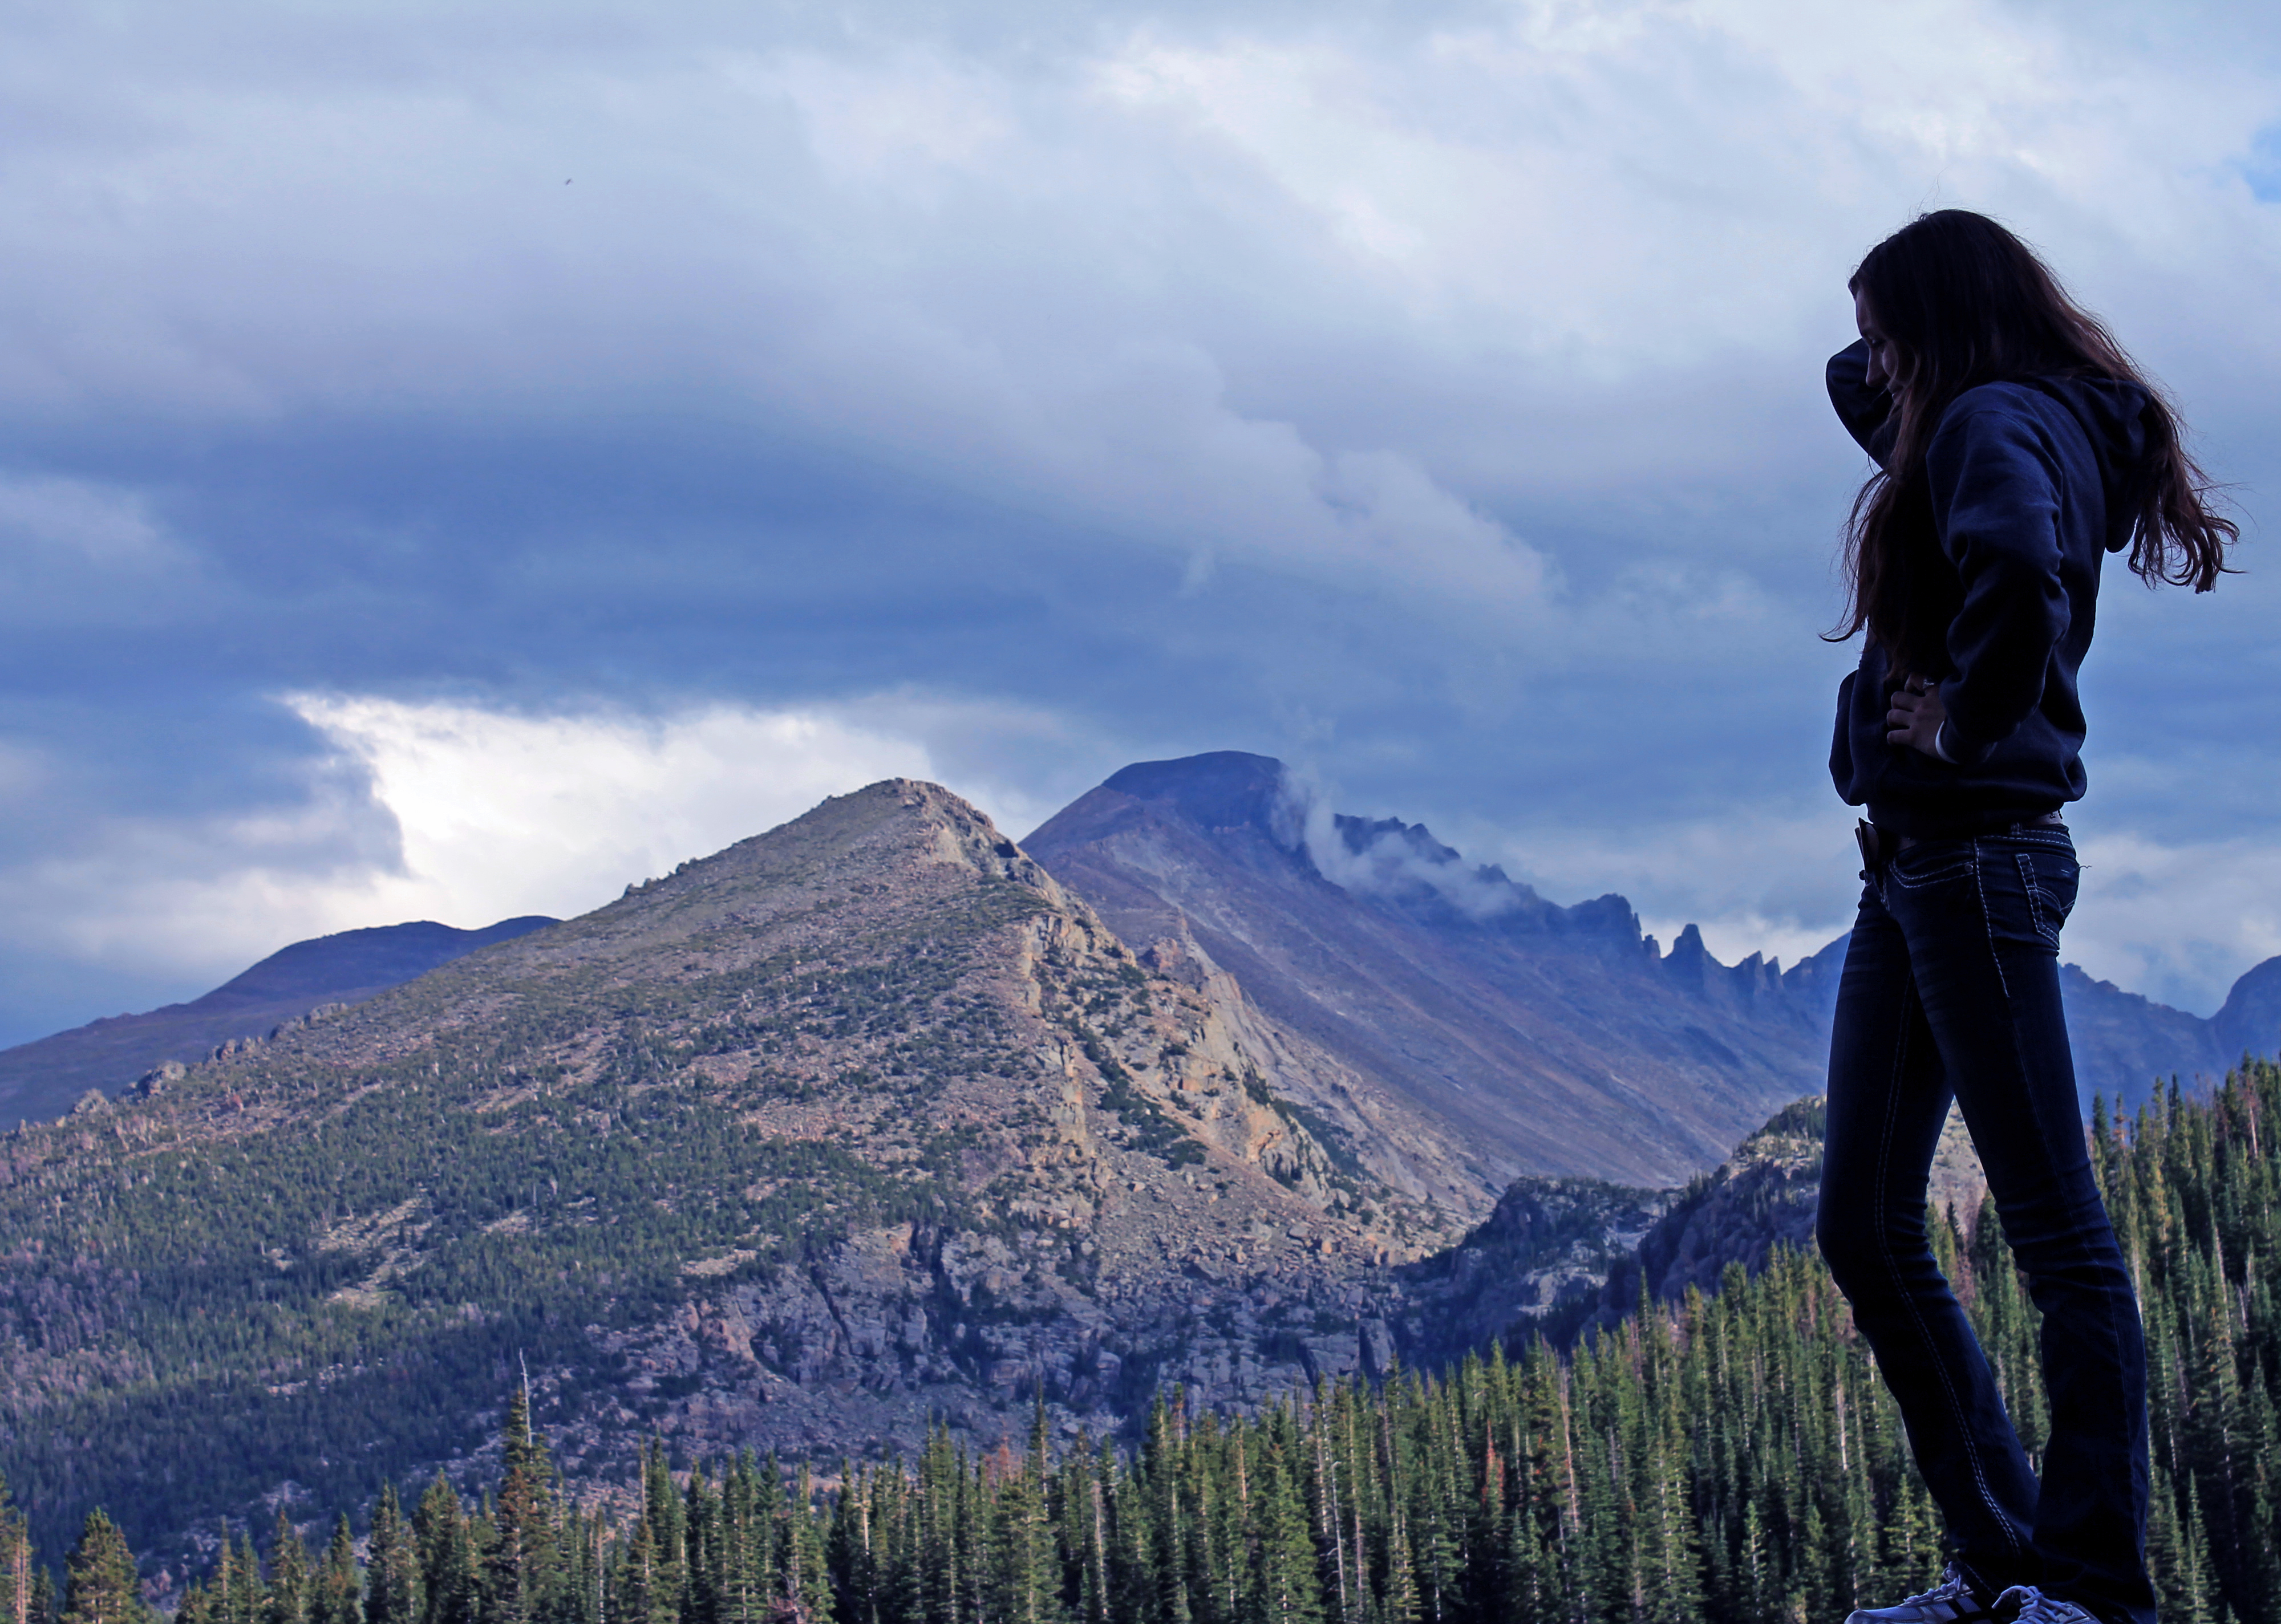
x=458, y=459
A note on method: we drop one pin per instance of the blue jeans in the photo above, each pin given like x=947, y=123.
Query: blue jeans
x=1952, y=988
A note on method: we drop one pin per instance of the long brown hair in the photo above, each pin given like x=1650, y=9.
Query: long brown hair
x=1964, y=303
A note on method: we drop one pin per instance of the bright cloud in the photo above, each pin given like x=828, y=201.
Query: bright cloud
x=501, y=814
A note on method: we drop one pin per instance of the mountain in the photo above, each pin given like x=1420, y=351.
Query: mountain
x=43, y=1078
x=2250, y=1021
x=861, y=1124
x=1536, y=1039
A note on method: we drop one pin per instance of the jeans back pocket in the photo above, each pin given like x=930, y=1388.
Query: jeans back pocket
x=2049, y=880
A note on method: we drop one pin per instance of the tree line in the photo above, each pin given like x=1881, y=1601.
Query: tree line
x=1731, y=1456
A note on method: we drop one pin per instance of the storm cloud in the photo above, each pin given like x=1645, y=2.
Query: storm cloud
x=453, y=457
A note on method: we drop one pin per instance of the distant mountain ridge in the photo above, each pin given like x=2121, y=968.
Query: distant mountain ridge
x=2122, y=1041
x=1546, y=1040
x=41, y=1079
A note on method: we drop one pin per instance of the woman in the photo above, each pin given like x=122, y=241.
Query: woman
x=2016, y=447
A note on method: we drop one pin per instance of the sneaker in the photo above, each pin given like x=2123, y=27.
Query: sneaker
x=1952, y=1602
x=2024, y=1604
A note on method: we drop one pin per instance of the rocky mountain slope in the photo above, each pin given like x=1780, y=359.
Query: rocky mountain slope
x=43, y=1078
x=1541, y=1040
x=859, y=1123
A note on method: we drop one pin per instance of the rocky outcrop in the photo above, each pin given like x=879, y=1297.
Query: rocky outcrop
x=1761, y=1197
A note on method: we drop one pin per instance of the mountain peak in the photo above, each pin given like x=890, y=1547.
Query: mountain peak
x=1220, y=789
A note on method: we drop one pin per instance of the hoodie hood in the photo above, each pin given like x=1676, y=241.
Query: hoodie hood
x=2115, y=416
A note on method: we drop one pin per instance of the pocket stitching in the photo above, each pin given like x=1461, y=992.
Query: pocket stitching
x=1956, y=867
x=2036, y=898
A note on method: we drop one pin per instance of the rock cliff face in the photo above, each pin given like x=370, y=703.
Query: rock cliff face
x=1763, y=1195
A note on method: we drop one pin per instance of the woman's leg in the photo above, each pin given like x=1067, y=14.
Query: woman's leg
x=1982, y=918
x=1888, y=1095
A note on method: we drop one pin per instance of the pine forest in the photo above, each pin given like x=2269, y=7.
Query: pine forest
x=1731, y=1457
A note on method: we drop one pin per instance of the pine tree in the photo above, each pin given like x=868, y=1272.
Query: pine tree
x=447, y=1556
x=391, y=1566
x=287, y=1599
x=1284, y=1585
x=333, y=1597
x=633, y=1583
x=848, y=1548
x=15, y=1561
x=100, y=1583
x=244, y=1596
x=805, y=1589
x=739, y=1582
x=704, y=1538
x=1025, y=1586
x=1158, y=1493
x=518, y=1567
x=667, y=1578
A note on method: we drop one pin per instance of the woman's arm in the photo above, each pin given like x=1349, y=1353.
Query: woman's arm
x=1866, y=411
x=1996, y=489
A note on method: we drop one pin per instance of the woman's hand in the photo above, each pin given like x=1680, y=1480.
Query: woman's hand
x=1913, y=716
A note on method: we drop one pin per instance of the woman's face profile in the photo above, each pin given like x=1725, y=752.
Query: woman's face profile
x=1887, y=371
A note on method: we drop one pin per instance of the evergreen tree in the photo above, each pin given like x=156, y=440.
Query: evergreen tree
x=16, y=1562
x=243, y=1596
x=287, y=1601
x=806, y=1587
x=1285, y=1587
x=1024, y=1577
x=333, y=1598
x=639, y=1590
x=666, y=1572
x=101, y=1585
x=518, y=1569
x=446, y=1550
x=391, y=1567
x=707, y=1555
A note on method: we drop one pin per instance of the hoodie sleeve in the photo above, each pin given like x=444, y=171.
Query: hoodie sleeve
x=1996, y=491
x=1865, y=413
